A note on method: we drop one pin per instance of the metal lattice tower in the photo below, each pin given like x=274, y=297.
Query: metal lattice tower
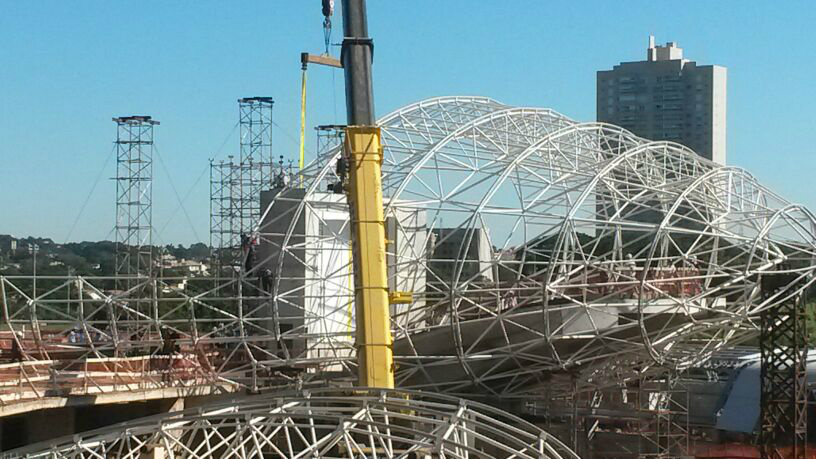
x=134, y=196
x=255, y=162
x=235, y=186
x=329, y=137
x=783, y=346
x=220, y=214
x=663, y=401
x=547, y=287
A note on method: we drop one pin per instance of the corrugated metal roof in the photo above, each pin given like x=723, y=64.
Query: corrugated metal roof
x=740, y=413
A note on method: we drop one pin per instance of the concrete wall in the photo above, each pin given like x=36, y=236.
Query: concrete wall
x=280, y=209
x=42, y=425
x=448, y=255
x=406, y=255
x=329, y=287
x=719, y=103
x=316, y=286
x=316, y=293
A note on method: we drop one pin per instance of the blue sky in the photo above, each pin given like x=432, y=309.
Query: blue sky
x=66, y=68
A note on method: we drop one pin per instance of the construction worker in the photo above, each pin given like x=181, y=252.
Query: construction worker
x=341, y=169
x=169, y=341
x=266, y=280
x=16, y=350
x=248, y=248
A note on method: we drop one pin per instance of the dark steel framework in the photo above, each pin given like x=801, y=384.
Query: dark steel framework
x=134, y=197
x=783, y=346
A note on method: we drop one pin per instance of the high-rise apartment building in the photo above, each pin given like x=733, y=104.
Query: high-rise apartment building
x=667, y=97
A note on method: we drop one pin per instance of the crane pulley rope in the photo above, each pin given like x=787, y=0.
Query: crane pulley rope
x=328, y=9
x=325, y=59
x=363, y=151
x=301, y=159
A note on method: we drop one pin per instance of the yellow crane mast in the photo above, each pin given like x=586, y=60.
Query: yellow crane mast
x=362, y=163
x=363, y=152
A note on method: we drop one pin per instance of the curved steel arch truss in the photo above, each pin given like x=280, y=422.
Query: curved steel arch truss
x=325, y=423
x=534, y=246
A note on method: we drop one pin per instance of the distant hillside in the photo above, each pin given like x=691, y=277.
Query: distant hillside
x=82, y=258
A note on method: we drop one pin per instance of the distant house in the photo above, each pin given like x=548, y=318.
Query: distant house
x=8, y=244
x=194, y=267
x=167, y=260
x=175, y=286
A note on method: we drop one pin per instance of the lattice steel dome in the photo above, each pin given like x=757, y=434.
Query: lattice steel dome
x=533, y=245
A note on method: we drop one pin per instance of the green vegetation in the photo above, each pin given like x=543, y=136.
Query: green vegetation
x=78, y=258
x=97, y=260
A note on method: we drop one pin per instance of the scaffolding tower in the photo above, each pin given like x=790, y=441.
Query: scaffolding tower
x=663, y=402
x=236, y=185
x=220, y=213
x=134, y=198
x=255, y=163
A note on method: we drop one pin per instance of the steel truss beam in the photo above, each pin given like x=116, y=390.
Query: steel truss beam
x=324, y=423
x=236, y=184
x=535, y=247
